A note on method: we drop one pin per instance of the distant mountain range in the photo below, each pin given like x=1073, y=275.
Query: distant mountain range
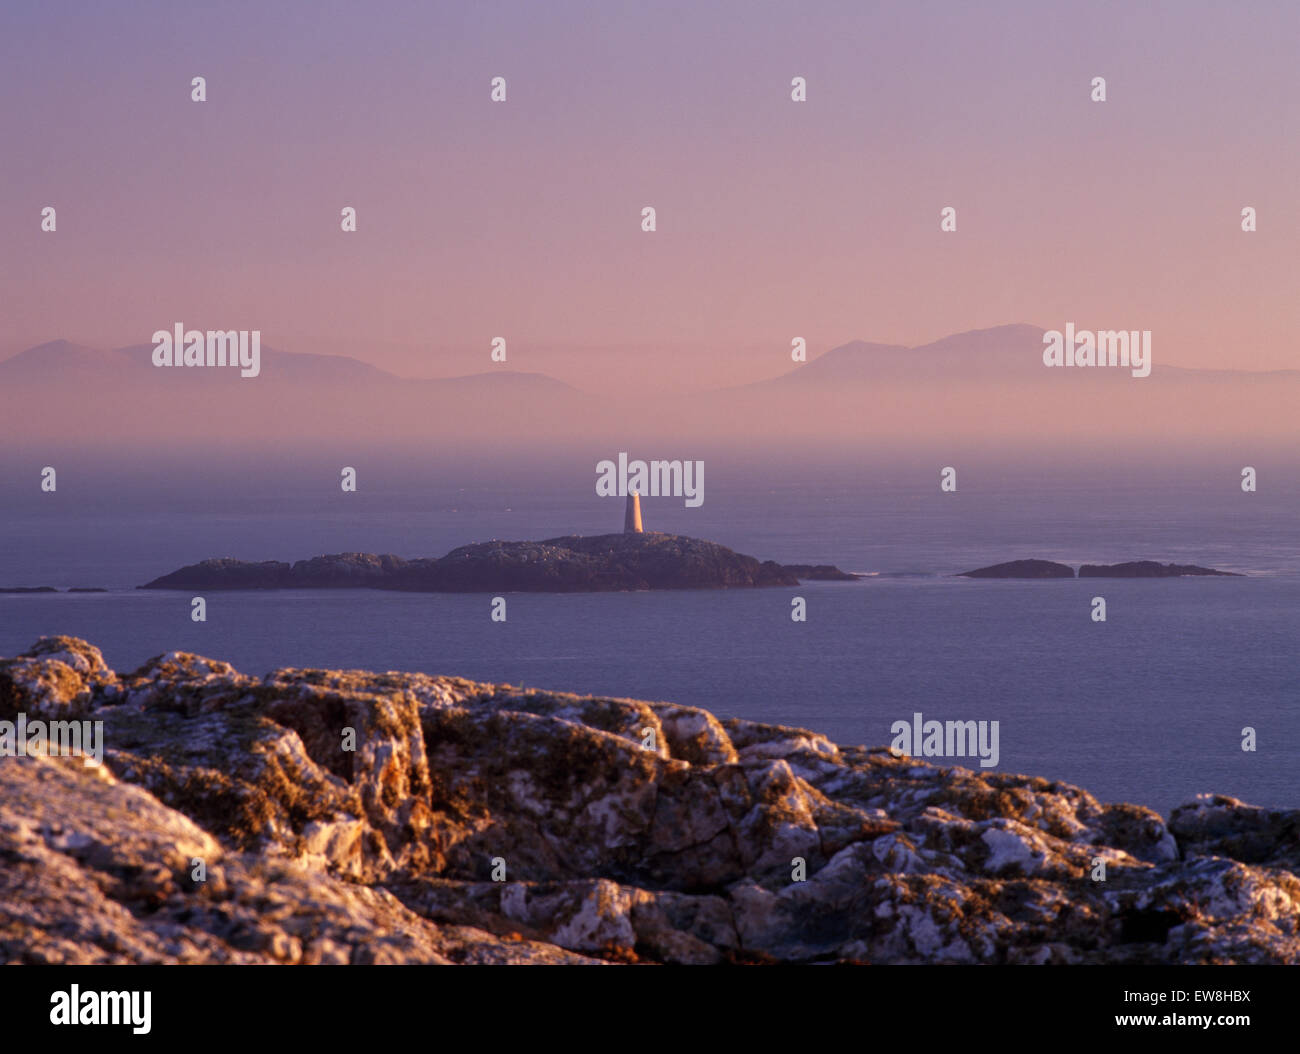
x=991, y=384
x=1002, y=354
x=60, y=361
x=61, y=388
x=987, y=384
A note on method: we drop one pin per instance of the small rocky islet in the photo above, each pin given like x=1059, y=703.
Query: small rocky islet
x=485, y=823
x=603, y=563
x=51, y=589
x=1131, y=569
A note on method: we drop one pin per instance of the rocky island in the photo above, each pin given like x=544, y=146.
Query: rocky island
x=50, y=589
x=604, y=563
x=1150, y=569
x=482, y=823
x=1022, y=569
x=1133, y=569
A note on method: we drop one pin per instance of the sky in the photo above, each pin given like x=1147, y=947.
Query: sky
x=775, y=219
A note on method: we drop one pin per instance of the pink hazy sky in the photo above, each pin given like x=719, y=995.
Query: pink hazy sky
x=776, y=219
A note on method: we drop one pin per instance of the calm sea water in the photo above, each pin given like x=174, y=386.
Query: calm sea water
x=1147, y=707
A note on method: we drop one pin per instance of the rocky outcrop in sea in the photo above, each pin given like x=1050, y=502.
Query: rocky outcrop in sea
x=604, y=563
x=1151, y=569
x=476, y=822
x=1132, y=569
x=1022, y=569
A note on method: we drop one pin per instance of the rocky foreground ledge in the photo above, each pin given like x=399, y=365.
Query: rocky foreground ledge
x=613, y=852
x=604, y=563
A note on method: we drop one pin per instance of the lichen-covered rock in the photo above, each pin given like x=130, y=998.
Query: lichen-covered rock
x=1214, y=824
x=347, y=816
x=93, y=870
x=54, y=679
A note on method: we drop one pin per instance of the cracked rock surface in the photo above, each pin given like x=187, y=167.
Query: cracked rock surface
x=230, y=822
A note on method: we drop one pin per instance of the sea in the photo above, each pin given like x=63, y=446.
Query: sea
x=1151, y=706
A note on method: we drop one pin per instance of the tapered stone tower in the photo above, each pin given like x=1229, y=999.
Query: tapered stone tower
x=632, y=517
